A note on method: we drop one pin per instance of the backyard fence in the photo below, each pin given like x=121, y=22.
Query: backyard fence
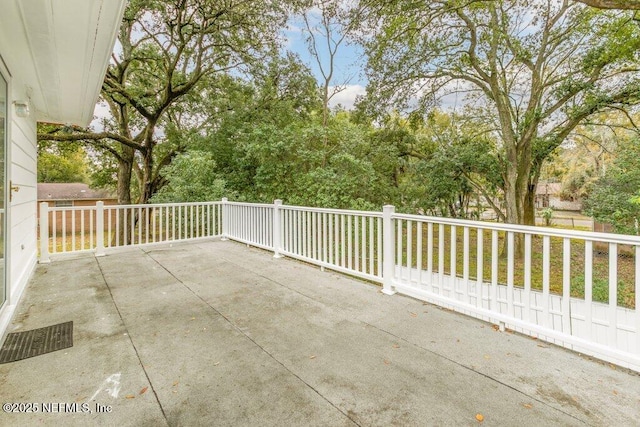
x=575, y=289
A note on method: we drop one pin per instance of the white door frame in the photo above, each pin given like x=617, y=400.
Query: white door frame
x=6, y=75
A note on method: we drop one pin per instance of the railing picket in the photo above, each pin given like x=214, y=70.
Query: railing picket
x=324, y=238
x=566, y=285
x=479, y=267
x=91, y=228
x=73, y=230
x=453, y=258
x=82, y=230
x=588, y=289
x=419, y=252
x=338, y=250
x=363, y=246
x=64, y=231
x=170, y=218
x=380, y=256
x=613, y=294
x=546, y=263
x=510, y=272
x=399, y=241
x=356, y=227
x=430, y=251
x=409, y=249
x=493, y=303
x=526, y=299
x=342, y=239
x=54, y=223
x=440, y=258
x=465, y=263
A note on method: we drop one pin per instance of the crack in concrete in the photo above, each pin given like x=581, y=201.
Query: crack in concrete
x=135, y=349
x=489, y=377
x=237, y=328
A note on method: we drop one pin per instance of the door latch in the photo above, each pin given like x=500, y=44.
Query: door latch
x=13, y=188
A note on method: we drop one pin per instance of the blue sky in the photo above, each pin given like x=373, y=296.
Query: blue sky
x=349, y=63
x=349, y=66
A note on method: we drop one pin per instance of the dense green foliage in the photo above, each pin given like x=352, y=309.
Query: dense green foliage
x=614, y=198
x=55, y=165
x=531, y=70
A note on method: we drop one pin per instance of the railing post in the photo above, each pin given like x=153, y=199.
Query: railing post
x=388, y=257
x=100, y=228
x=225, y=220
x=277, y=232
x=44, y=233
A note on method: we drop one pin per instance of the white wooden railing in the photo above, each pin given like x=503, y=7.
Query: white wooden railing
x=575, y=289
x=96, y=228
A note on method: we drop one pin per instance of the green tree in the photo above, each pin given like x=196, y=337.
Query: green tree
x=614, y=198
x=62, y=163
x=533, y=71
x=191, y=177
x=168, y=56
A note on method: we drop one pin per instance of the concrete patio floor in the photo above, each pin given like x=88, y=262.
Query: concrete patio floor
x=216, y=333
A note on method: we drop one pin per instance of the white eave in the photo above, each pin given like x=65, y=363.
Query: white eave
x=58, y=52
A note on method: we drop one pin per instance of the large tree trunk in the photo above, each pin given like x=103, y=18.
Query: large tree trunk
x=519, y=199
x=146, y=186
x=530, y=206
x=125, y=165
x=121, y=233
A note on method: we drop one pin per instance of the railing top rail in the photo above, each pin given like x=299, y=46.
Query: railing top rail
x=333, y=211
x=257, y=205
x=141, y=206
x=72, y=208
x=161, y=205
x=527, y=229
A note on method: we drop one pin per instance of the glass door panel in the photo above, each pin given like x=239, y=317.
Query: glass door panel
x=4, y=110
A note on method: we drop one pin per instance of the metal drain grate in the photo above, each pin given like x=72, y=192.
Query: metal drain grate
x=22, y=345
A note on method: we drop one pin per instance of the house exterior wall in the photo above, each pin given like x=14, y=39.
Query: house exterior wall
x=564, y=205
x=21, y=213
x=555, y=202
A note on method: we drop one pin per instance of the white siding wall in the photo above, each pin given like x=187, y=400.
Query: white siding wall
x=22, y=158
x=22, y=253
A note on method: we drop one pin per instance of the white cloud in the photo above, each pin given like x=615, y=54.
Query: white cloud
x=100, y=112
x=347, y=97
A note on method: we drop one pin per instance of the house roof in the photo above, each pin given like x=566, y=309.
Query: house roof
x=551, y=188
x=57, y=52
x=70, y=191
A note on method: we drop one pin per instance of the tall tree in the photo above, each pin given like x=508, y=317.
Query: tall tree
x=327, y=25
x=533, y=69
x=165, y=52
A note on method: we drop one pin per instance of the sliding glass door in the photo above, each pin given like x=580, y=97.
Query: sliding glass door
x=4, y=117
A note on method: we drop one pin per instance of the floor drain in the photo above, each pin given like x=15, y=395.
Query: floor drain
x=22, y=345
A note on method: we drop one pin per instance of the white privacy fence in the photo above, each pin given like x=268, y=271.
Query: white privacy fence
x=575, y=289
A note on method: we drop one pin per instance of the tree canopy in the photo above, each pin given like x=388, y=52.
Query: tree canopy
x=167, y=57
x=533, y=70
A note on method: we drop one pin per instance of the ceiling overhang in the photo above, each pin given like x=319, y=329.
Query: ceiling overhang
x=58, y=51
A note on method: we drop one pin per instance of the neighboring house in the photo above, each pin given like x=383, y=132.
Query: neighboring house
x=72, y=194
x=53, y=57
x=548, y=195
